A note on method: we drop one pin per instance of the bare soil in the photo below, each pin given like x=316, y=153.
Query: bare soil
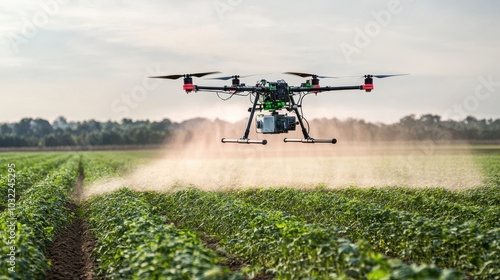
x=71, y=252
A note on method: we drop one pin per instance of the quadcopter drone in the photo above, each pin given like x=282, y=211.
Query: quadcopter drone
x=273, y=97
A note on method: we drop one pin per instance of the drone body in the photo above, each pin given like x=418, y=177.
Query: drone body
x=274, y=101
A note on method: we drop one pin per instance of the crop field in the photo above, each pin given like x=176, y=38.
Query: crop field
x=376, y=214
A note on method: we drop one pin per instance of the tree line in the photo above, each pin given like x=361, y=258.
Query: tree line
x=413, y=128
x=30, y=132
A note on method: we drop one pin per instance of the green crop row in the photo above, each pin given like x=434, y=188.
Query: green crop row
x=29, y=228
x=98, y=165
x=476, y=197
x=425, y=204
x=25, y=173
x=96, y=168
x=15, y=157
x=481, y=196
x=134, y=242
x=282, y=244
x=490, y=163
x=462, y=246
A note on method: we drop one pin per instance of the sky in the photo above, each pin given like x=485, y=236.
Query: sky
x=89, y=59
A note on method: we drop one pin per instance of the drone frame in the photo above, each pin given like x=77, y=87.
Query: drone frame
x=261, y=89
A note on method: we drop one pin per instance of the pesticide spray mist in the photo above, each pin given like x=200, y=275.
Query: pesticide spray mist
x=196, y=158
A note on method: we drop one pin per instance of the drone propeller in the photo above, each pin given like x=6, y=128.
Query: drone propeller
x=177, y=76
x=232, y=77
x=304, y=75
x=368, y=86
x=188, y=80
x=383, y=76
x=235, y=78
x=376, y=76
x=225, y=78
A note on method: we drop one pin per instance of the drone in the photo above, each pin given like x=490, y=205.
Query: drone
x=277, y=106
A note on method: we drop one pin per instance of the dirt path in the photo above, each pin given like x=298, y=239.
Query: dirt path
x=71, y=253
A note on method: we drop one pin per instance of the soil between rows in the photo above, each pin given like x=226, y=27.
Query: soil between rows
x=71, y=252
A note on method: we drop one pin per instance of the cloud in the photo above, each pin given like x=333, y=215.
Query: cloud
x=100, y=51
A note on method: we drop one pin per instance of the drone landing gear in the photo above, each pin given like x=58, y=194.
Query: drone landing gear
x=244, y=139
x=307, y=138
x=311, y=140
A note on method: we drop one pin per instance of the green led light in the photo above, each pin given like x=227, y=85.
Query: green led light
x=274, y=105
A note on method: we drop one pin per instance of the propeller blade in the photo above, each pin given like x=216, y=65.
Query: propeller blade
x=177, y=76
x=223, y=78
x=233, y=77
x=387, y=76
x=171, y=77
x=364, y=76
x=304, y=75
x=379, y=76
x=199, y=75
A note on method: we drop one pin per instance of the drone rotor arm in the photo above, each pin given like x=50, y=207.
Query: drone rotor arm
x=327, y=88
x=228, y=89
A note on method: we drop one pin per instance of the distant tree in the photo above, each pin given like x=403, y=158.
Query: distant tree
x=5, y=129
x=111, y=138
x=23, y=127
x=40, y=127
x=60, y=123
x=50, y=141
x=29, y=132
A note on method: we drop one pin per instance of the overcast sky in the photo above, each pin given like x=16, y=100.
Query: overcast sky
x=89, y=59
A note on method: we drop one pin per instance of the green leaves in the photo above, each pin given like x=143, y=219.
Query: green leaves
x=30, y=170
x=134, y=242
x=460, y=243
x=283, y=232
x=41, y=214
x=277, y=242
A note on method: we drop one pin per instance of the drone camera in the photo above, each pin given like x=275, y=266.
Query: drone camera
x=274, y=124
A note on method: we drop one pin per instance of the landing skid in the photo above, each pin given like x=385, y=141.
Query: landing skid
x=310, y=140
x=307, y=138
x=244, y=141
